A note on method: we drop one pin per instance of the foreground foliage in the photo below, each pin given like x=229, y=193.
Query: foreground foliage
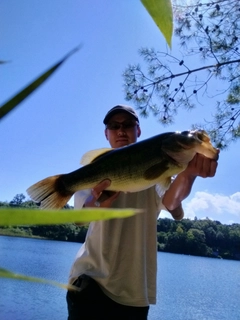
x=193, y=237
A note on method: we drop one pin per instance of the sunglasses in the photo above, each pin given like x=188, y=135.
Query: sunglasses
x=123, y=125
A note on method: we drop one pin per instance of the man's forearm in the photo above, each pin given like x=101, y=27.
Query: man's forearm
x=177, y=192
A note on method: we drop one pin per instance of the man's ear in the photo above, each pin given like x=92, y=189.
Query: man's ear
x=138, y=132
x=106, y=135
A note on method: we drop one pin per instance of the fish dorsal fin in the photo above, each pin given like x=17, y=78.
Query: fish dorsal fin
x=90, y=156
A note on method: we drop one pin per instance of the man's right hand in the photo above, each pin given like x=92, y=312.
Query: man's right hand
x=98, y=198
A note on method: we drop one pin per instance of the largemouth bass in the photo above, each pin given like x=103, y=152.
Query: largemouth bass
x=131, y=168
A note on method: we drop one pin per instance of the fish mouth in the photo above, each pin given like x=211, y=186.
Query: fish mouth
x=182, y=146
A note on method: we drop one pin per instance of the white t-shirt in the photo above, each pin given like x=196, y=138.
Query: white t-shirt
x=121, y=254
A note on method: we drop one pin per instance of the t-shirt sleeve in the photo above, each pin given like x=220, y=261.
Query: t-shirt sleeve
x=80, y=198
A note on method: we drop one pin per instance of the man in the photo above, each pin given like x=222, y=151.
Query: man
x=116, y=266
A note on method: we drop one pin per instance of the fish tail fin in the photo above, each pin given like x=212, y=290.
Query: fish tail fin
x=50, y=193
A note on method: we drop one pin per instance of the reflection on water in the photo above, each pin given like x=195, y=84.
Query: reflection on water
x=189, y=288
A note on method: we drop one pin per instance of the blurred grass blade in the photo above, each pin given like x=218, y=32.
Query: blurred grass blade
x=18, y=216
x=161, y=12
x=4, y=273
x=13, y=102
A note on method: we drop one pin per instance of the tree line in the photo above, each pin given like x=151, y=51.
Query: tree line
x=205, y=238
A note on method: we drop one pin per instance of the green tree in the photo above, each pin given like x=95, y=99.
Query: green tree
x=196, y=242
x=234, y=239
x=209, y=34
x=186, y=224
x=220, y=239
x=166, y=225
x=17, y=200
x=210, y=235
x=29, y=204
x=176, y=242
x=4, y=204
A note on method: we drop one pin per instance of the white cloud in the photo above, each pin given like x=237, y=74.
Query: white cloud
x=225, y=209
x=236, y=196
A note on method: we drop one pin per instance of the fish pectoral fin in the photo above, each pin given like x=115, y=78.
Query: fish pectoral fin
x=156, y=170
x=90, y=156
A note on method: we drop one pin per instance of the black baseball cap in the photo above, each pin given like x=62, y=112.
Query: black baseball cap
x=120, y=108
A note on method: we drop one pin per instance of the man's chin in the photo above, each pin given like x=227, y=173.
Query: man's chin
x=121, y=143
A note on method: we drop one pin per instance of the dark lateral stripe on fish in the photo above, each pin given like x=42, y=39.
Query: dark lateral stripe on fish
x=156, y=170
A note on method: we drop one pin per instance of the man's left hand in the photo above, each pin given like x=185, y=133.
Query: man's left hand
x=202, y=166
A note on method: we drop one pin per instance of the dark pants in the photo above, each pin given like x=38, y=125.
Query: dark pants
x=92, y=304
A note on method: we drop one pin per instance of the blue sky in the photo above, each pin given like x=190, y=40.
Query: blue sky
x=50, y=131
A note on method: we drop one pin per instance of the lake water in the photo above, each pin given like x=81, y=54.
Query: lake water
x=189, y=288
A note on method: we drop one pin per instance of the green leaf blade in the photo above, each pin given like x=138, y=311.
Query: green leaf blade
x=17, y=216
x=161, y=13
x=23, y=94
x=4, y=273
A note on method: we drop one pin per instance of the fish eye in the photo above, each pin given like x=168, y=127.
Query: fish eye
x=186, y=133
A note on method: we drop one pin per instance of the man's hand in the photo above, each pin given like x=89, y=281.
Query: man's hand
x=201, y=166
x=99, y=197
